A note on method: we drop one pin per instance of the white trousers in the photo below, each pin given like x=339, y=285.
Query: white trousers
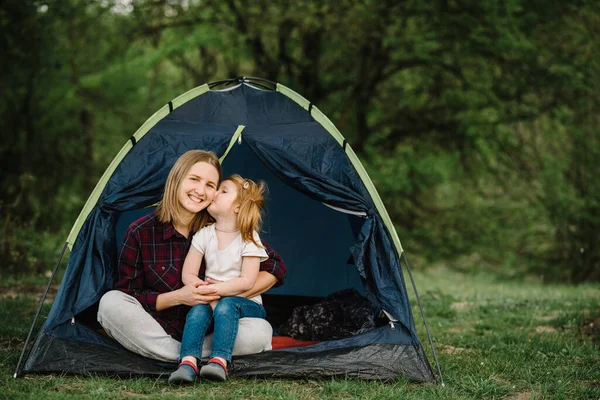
x=125, y=320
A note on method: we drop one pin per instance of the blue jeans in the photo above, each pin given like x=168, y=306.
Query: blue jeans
x=223, y=320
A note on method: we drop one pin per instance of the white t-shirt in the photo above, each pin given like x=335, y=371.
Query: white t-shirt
x=226, y=264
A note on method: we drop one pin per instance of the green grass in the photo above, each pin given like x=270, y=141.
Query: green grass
x=495, y=339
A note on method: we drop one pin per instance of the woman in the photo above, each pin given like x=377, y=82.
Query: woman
x=146, y=314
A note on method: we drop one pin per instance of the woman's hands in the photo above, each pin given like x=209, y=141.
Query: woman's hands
x=264, y=282
x=196, y=292
x=212, y=281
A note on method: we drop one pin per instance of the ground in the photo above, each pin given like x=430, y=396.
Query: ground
x=495, y=339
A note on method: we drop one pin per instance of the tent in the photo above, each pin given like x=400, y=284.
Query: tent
x=324, y=216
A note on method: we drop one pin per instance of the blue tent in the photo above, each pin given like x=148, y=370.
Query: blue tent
x=324, y=217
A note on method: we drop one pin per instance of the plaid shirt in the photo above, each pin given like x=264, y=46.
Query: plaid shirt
x=151, y=261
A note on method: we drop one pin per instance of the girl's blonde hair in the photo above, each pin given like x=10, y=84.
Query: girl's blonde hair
x=251, y=200
x=169, y=209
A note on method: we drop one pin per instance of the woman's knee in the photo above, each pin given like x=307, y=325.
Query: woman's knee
x=111, y=308
x=110, y=302
x=254, y=336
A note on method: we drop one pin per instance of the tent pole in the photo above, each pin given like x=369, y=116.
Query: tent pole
x=37, y=314
x=437, y=364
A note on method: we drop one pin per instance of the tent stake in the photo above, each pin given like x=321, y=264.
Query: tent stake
x=37, y=314
x=437, y=364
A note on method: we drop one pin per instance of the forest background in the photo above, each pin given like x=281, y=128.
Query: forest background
x=477, y=120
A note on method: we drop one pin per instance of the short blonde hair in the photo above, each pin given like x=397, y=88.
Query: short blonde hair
x=169, y=210
x=251, y=200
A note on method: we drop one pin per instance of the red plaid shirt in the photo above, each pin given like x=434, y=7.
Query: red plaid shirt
x=151, y=261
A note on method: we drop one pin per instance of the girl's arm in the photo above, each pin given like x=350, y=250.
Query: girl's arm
x=272, y=273
x=191, y=266
x=264, y=282
x=247, y=279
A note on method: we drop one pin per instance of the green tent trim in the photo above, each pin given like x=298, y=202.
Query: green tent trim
x=200, y=90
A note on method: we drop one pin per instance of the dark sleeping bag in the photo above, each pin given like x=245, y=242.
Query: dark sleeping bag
x=341, y=314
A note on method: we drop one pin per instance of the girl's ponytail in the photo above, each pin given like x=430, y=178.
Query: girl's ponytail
x=251, y=200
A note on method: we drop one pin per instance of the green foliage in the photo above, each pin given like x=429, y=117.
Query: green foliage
x=477, y=120
x=28, y=251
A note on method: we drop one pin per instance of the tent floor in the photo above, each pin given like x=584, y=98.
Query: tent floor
x=52, y=354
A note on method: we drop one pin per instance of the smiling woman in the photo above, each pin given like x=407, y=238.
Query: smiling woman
x=198, y=188
x=189, y=189
x=147, y=312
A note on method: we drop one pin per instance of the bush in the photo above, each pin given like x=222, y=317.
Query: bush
x=27, y=251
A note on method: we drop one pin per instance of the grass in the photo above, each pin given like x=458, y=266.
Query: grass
x=495, y=339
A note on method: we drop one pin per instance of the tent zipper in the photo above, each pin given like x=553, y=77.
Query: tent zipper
x=391, y=319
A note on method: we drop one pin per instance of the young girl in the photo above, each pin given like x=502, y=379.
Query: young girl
x=233, y=252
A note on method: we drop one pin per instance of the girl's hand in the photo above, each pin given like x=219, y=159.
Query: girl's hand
x=197, y=292
x=211, y=281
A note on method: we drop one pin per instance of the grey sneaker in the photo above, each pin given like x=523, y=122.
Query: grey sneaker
x=185, y=374
x=214, y=371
